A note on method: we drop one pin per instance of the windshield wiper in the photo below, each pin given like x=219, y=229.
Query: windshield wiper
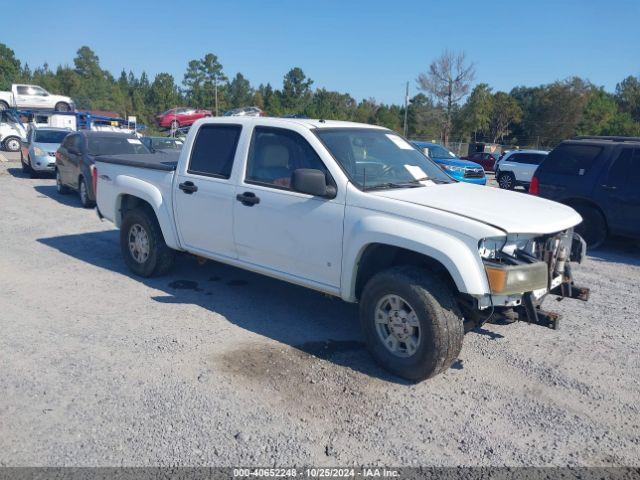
x=387, y=185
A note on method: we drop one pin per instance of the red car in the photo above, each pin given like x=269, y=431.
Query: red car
x=487, y=160
x=181, y=117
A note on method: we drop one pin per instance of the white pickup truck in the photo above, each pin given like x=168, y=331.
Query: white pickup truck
x=32, y=97
x=356, y=212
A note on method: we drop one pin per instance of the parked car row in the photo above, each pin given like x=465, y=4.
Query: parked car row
x=70, y=155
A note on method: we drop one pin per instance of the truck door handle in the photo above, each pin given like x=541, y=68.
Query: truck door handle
x=188, y=187
x=609, y=187
x=248, y=199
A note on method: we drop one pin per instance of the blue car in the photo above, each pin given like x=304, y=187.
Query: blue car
x=461, y=170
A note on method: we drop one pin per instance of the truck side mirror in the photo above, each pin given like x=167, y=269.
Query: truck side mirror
x=312, y=182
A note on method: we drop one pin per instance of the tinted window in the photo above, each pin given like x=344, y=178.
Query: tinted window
x=527, y=158
x=23, y=90
x=49, y=136
x=115, y=145
x=620, y=168
x=276, y=153
x=571, y=159
x=633, y=177
x=214, y=149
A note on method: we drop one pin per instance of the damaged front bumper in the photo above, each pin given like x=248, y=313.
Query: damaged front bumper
x=520, y=281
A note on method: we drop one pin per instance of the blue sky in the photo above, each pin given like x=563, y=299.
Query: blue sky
x=366, y=48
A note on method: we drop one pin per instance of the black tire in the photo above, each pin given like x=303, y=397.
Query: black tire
x=12, y=144
x=593, y=227
x=4, y=105
x=440, y=321
x=27, y=168
x=160, y=257
x=506, y=180
x=84, y=194
x=60, y=187
x=62, y=107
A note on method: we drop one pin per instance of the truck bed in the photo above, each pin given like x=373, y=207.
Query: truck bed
x=154, y=161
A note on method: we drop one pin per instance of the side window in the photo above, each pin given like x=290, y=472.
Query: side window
x=620, y=168
x=633, y=178
x=537, y=158
x=572, y=159
x=22, y=90
x=275, y=153
x=514, y=158
x=214, y=149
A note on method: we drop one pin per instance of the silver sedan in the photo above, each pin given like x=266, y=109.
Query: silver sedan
x=38, y=154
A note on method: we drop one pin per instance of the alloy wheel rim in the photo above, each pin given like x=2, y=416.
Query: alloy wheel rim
x=138, y=243
x=505, y=181
x=397, y=326
x=13, y=145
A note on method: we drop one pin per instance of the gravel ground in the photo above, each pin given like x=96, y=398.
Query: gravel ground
x=212, y=365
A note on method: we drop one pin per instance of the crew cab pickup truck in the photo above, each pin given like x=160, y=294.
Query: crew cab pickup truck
x=354, y=211
x=33, y=96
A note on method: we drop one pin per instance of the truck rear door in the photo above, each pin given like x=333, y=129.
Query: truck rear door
x=204, y=198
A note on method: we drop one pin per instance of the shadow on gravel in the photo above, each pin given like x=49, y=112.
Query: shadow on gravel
x=310, y=322
x=17, y=172
x=70, y=200
x=618, y=250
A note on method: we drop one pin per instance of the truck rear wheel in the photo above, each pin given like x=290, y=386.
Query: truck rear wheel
x=411, y=322
x=142, y=243
x=4, y=105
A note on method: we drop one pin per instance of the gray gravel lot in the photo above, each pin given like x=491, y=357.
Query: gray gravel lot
x=212, y=365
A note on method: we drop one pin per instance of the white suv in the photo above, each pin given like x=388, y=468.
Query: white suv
x=517, y=168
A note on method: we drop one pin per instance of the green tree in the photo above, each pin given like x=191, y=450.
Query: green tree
x=424, y=119
x=163, y=93
x=296, y=91
x=628, y=96
x=476, y=115
x=504, y=113
x=10, y=70
x=239, y=92
x=193, y=82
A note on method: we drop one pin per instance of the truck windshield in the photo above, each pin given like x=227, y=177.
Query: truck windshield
x=377, y=158
x=50, y=136
x=115, y=145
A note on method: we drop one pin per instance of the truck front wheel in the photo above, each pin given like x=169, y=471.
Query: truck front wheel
x=142, y=243
x=411, y=322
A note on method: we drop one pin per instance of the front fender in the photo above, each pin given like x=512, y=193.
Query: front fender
x=135, y=187
x=458, y=254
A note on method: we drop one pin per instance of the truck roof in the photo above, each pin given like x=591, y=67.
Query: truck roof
x=310, y=123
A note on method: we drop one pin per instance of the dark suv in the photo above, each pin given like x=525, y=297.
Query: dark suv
x=600, y=178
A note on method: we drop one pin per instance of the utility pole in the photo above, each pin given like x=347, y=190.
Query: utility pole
x=406, y=108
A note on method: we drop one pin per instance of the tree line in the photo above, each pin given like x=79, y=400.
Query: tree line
x=450, y=106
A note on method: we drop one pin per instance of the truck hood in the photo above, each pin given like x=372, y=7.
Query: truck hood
x=509, y=211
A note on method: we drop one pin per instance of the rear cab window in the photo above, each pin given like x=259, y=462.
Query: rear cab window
x=214, y=149
x=572, y=159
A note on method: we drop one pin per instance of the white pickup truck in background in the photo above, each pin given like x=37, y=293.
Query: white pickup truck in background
x=34, y=97
x=356, y=212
